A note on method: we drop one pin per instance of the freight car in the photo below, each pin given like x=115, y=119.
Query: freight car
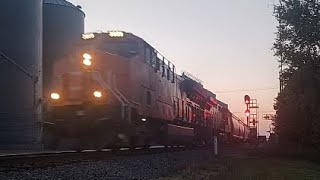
x=117, y=90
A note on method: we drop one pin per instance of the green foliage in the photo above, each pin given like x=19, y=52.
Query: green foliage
x=297, y=46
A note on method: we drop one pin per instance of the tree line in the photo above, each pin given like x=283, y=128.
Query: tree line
x=297, y=48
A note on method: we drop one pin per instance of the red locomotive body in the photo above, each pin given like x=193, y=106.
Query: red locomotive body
x=117, y=89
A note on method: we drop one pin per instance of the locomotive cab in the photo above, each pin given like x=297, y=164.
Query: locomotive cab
x=86, y=96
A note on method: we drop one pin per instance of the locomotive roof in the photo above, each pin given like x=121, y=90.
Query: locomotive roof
x=113, y=34
x=127, y=35
x=224, y=105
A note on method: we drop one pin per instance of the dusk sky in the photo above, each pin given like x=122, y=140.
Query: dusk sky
x=226, y=44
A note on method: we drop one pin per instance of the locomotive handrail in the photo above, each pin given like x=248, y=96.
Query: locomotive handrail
x=192, y=77
x=122, y=96
x=98, y=77
x=239, y=120
x=125, y=105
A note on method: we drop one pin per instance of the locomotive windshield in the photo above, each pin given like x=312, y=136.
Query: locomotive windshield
x=123, y=48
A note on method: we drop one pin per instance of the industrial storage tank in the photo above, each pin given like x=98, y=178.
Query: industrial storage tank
x=20, y=72
x=63, y=24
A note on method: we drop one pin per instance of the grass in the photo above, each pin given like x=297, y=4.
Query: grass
x=250, y=168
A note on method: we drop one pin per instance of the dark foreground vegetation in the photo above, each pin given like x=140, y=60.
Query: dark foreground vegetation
x=297, y=47
x=260, y=168
x=254, y=164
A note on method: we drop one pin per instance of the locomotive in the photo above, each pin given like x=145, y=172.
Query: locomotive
x=117, y=90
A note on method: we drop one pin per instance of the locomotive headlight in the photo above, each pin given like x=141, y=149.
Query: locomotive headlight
x=87, y=62
x=87, y=59
x=55, y=96
x=97, y=94
x=87, y=56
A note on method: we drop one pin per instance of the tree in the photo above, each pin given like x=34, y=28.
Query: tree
x=298, y=108
x=297, y=47
x=298, y=37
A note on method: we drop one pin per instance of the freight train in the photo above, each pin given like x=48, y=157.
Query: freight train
x=117, y=90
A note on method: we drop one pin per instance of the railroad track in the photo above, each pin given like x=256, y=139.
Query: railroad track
x=14, y=162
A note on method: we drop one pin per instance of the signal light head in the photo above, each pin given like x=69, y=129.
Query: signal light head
x=247, y=112
x=247, y=99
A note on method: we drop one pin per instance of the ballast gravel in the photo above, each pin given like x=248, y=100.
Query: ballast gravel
x=126, y=167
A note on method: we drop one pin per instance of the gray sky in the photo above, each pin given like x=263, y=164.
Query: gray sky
x=225, y=43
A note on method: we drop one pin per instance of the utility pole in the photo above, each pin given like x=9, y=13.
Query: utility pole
x=280, y=74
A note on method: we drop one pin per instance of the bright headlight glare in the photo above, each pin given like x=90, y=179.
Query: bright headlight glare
x=55, y=96
x=97, y=94
x=116, y=34
x=87, y=62
x=87, y=56
x=87, y=36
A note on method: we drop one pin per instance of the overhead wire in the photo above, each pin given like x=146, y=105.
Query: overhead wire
x=242, y=90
